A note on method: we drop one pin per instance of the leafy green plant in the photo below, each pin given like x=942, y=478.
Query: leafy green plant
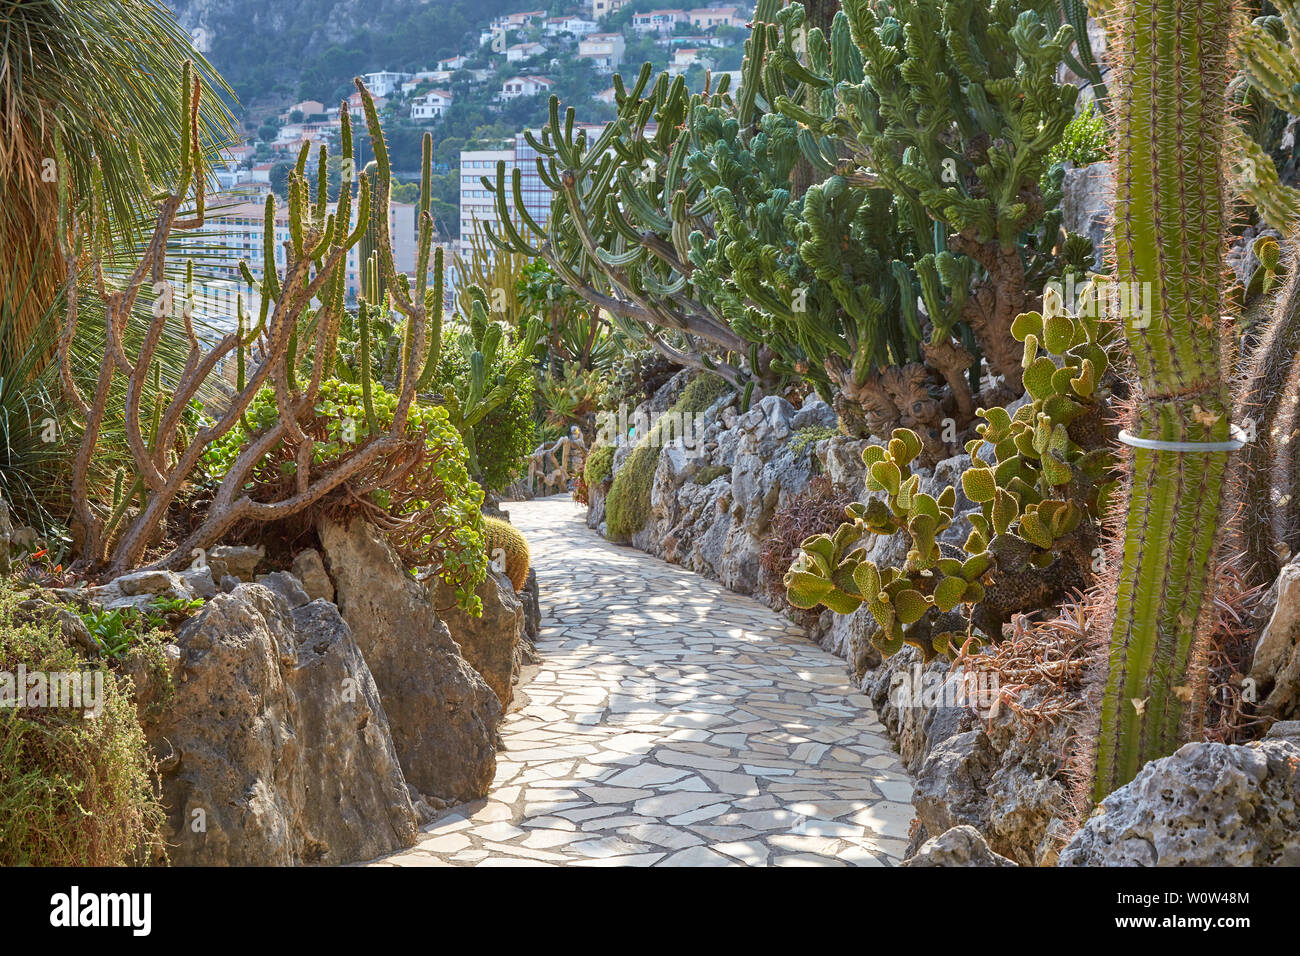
x=429, y=509
x=1084, y=139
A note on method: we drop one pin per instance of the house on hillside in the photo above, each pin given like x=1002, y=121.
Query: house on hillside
x=430, y=105
x=524, y=51
x=574, y=25
x=307, y=108
x=605, y=50
x=658, y=21
x=687, y=57
x=426, y=77
x=453, y=63
x=706, y=18
x=384, y=82
x=518, y=86
x=602, y=8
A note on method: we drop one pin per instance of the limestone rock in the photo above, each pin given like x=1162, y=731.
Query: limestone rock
x=237, y=560
x=443, y=715
x=1089, y=196
x=1275, y=668
x=275, y=748
x=1208, y=804
x=960, y=846
x=309, y=568
x=490, y=643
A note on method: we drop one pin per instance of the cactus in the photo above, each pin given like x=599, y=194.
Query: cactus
x=694, y=234
x=1269, y=60
x=507, y=545
x=1171, y=128
x=1041, y=500
x=409, y=463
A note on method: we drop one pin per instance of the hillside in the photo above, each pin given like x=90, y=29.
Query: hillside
x=276, y=52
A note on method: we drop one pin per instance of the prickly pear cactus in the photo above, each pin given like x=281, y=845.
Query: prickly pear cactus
x=1041, y=485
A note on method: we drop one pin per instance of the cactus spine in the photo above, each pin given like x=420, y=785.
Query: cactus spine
x=1171, y=124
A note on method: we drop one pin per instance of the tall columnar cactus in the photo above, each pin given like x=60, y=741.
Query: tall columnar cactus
x=295, y=329
x=1172, y=72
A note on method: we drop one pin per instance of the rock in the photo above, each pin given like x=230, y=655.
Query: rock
x=952, y=786
x=285, y=585
x=72, y=628
x=150, y=582
x=815, y=414
x=200, y=581
x=237, y=560
x=530, y=596
x=1089, y=197
x=1285, y=730
x=140, y=589
x=960, y=846
x=443, y=715
x=275, y=748
x=490, y=643
x=309, y=568
x=1209, y=804
x=1275, y=668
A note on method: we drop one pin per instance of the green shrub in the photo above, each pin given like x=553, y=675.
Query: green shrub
x=74, y=791
x=628, y=506
x=701, y=392
x=505, y=436
x=710, y=474
x=600, y=462
x=433, y=513
x=810, y=436
x=1084, y=140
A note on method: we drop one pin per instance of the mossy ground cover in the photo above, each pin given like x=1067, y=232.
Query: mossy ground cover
x=627, y=508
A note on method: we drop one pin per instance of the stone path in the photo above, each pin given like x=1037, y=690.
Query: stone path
x=673, y=723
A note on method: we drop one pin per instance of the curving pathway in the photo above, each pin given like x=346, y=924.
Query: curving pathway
x=672, y=723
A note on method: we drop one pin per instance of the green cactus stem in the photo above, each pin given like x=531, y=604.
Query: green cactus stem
x=1171, y=126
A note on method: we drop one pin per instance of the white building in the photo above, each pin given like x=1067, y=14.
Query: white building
x=384, y=83
x=430, y=105
x=605, y=50
x=577, y=26
x=524, y=51
x=426, y=76
x=706, y=18
x=237, y=229
x=518, y=86
x=659, y=21
x=683, y=59
x=453, y=63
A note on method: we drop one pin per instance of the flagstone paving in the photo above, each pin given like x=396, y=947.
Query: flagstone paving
x=673, y=723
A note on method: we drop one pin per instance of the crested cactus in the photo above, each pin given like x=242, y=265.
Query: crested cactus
x=508, y=548
x=1170, y=220
x=1041, y=498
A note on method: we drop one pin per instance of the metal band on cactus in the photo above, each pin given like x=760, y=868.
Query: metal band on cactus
x=1186, y=447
